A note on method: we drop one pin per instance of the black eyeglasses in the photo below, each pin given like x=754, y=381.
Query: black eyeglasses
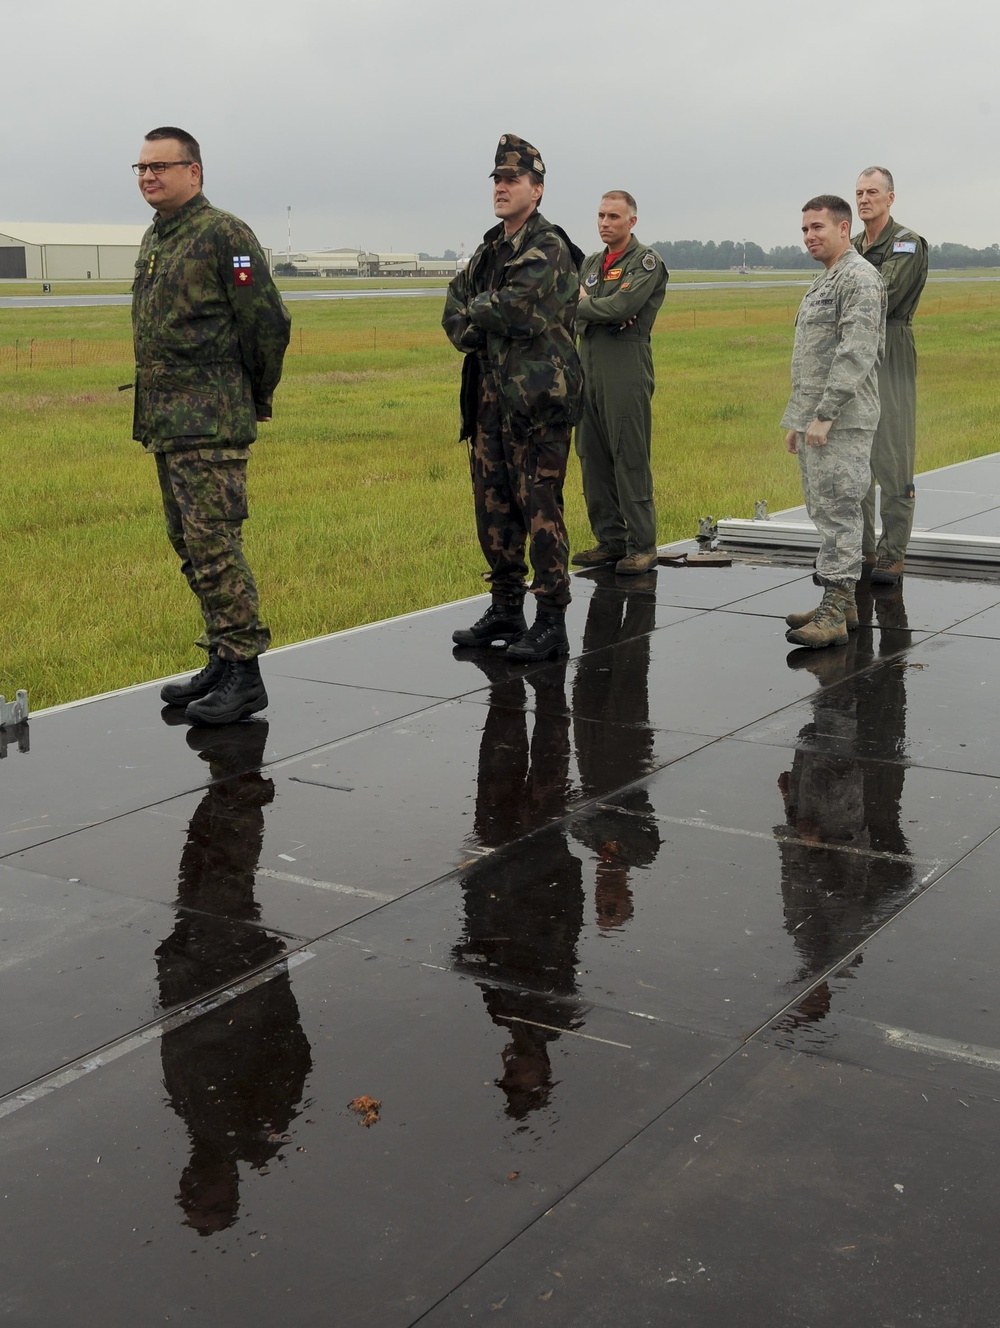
x=157, y=167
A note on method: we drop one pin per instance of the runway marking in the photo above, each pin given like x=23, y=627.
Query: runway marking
x=698, y=824
x=567, y=1032
x=79, y=1069
x=318, y=783
x=336, y=888
x=929, y=1045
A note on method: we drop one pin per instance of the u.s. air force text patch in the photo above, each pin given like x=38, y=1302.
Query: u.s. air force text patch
x=649, y=260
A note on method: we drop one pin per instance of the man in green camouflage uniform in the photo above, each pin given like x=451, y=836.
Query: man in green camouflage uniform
x=833, y=410
x=621, y=290
x=512, y=312
x=901, y=257
x=210, y=333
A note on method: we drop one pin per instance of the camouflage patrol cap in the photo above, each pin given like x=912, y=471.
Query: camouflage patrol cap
x=515, y=156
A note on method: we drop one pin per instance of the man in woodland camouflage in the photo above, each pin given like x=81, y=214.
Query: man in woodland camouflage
x=833, y=410
x=210, y=333
x=512, y=314
x=900, y=255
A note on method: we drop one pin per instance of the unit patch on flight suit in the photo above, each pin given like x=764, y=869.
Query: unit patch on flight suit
x=649, y=260
x=613, y=274
x=626, y=284
x=904, y=247
x=591, y=280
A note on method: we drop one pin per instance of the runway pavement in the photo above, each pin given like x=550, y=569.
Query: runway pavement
x=38, y=301
x=87, y=301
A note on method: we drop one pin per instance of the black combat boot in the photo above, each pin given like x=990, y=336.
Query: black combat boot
x=502, y=621
x=239, y=693
x=545, y=639
x=203, y=682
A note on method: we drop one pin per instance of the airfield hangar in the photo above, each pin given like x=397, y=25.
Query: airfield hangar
x=67, y=251
x=361, y=263
x=48, y=251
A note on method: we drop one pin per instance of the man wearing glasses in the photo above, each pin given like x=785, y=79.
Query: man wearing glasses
x=210, y=333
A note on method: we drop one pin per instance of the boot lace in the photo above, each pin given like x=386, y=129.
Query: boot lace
x=831, y=606
x=232, y=678
x=209, y=671
x=495, y=613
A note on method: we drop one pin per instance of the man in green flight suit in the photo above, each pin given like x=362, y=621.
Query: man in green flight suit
x=621, y=290
x=901, y=257
x=210, y=333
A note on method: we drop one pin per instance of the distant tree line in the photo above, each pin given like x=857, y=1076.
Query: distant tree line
x=710, y=256
x=960, y=255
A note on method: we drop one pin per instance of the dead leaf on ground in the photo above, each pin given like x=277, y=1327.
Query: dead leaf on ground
x=367, y=1109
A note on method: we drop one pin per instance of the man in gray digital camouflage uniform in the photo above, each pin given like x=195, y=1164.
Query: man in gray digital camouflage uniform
x=900, y=255
x=833, y=411
x=210, y=333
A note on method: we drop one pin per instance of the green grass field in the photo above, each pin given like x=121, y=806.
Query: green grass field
x=360, y=502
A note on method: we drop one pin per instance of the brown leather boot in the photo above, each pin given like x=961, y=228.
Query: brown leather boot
x=634, y=564
x=887, y=571
x=828, y=625
x=850, y=615
x=599, y=556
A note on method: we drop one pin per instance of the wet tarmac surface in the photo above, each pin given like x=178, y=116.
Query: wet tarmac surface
x=671, y=966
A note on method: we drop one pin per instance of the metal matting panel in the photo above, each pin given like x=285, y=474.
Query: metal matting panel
x=935, y=546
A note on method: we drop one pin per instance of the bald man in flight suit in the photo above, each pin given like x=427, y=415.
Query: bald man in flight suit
x=621, y=290
x=901, y=257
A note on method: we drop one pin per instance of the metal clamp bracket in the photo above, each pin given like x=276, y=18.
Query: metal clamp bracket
x=13, y=712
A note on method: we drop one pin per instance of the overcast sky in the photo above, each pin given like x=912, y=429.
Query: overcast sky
x=376, y=122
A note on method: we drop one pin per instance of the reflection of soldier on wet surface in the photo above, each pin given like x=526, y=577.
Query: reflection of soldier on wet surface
x=524, y=910
x=235, y=1074
x=614, y=743
x=845, y=864
x=522, y=927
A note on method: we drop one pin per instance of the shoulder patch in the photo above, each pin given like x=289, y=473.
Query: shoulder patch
x=242, y=272
x=649, y=260
x=591, y=280
x=904, y=247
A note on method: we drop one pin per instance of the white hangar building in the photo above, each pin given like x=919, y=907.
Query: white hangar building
x=68, y=251
x=360, y=263
x=51, y=250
